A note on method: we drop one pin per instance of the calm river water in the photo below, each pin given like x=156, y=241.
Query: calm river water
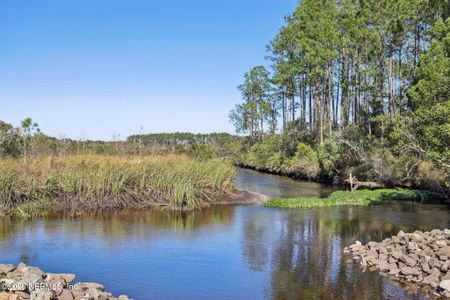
x=223, y=252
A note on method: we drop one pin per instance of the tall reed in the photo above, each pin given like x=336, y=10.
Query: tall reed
x=89, y=182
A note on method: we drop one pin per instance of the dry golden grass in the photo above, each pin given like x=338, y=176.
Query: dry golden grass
x=89, y=182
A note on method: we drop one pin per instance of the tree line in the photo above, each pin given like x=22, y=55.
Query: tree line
x=338, y=63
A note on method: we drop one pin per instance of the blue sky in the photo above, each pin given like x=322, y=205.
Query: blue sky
x=100, y=69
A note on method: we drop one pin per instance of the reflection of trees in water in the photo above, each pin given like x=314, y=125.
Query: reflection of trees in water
x=12, y=230
x=9, y=228
x=304, y=250
x=110, y=228
x=115, y=225
x=255, y=247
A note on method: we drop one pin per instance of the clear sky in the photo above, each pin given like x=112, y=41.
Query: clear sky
x=102, y=68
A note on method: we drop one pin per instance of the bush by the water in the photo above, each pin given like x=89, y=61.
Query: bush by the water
x=360, y=197
x=29, y=186
x=348, y=152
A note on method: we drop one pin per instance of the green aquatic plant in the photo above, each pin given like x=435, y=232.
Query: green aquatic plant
x=359, y=197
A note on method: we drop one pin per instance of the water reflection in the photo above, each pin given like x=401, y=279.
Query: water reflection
x=304, y=248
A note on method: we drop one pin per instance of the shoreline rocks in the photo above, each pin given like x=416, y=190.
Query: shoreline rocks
x=24, y=282
x=421, y=258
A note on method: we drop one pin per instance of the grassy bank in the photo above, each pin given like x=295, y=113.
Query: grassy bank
x=89, y=182
x=360, y=197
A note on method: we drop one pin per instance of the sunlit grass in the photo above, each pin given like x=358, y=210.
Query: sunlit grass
x=359, y=197
x=89, y=182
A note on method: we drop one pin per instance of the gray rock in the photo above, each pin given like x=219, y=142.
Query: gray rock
x=397, y=254
x=445, y=250
x=65, y=295
x=42, y=295
x=408, y=260
x=22, y=295
x=412, y=246
x=445, y=266
x=84, y=286
x=12, y=285
x=409, y=271
x=426, y=267
x=434, y=263
x=5, y=269
x=441, y=243
x=435, y=272
x=446, y=276
x=445, y=284
x=431, y=280
x=21, y=266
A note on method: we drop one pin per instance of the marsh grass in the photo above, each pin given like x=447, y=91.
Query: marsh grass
x=359, y=197
x=28, y=187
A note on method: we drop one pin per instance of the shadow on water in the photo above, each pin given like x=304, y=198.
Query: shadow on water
x=222, y=252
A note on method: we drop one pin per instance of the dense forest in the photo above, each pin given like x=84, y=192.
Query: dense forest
x=354, y=86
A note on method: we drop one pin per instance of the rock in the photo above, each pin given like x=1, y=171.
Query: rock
x=426, y=267
x=21, y=266
x=392, y=260
x=434, y=263
x=65, y=295
x=384, y=266
x=397, y=254
x=394, y=271
x=84, y=286
x=69, y=278
x=445, y=266
x=77, y=294
x=409, y=271
x=416, y=237
x=441, y=243
x=22, y=295
x=382, y=257
x=8, y=296
x=431, y=280
x=42, y=295
x=436, y=272
x=5, y=269
x=372, y=244
x=30, y=283
x=445, y=250
x=93, y=293
x=408, y=260
x=8, y=284
x=412, y=246
x=435, y=232
x=123, y=297
x=445, y=285
x=33, y=271
x=446, y=276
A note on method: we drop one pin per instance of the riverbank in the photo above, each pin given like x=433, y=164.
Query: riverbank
x=33, y=186
x=336, y=158
x=422, y=258
x=24, y=282
x=358, y=197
